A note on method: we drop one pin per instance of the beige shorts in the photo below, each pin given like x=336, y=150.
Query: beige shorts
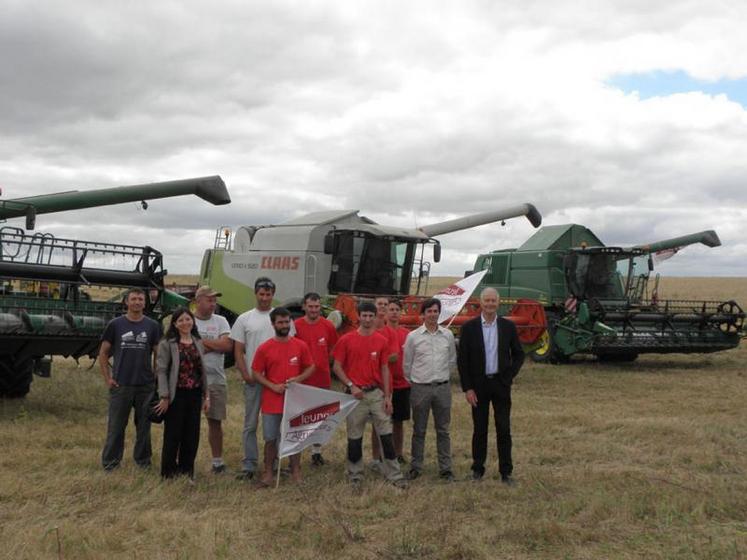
x=218, y=397
x=370, y=407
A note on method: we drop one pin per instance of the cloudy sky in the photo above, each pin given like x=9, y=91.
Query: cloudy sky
x=629, y=117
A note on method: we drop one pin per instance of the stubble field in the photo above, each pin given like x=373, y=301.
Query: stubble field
x=641, y=460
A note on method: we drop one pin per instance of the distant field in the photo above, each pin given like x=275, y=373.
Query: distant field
x=642, y=460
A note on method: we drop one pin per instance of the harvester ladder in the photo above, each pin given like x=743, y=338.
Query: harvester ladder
x=223, y=238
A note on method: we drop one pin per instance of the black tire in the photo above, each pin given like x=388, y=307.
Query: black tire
x=15, y=381
x=543, y=354
x=548, y=353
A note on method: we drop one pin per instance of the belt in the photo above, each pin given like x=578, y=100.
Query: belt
x=491, y=375
x=433, y=383
x=364, y=388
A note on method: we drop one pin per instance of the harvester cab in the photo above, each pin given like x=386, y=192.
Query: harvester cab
x=594, y=272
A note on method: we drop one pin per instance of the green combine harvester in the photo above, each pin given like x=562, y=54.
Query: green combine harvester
x=603, y=300
x=56, y=295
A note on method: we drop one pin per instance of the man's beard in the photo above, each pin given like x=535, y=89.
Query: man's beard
x=282, y=331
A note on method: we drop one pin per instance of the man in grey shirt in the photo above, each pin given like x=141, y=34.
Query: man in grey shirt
x=214, y=331
x=429, y=359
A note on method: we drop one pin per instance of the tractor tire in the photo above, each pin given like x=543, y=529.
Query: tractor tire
x=15, y=381
x=543, y=354
x=548, y=353
x=618, y=358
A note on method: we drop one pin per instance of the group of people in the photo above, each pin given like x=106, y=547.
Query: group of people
x=395, y=373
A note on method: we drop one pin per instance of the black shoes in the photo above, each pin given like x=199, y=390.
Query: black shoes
x=477, y=475
x=446, y=476
x=317, y=460
x=401, y=460
x=508, y=480
x=219, y=469
x=413, y=474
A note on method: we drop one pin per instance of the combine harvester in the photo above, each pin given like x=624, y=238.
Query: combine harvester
x=343, y=257
x=49, y=286
x=599, y=300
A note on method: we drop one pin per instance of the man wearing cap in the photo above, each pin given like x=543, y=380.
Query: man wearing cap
x=214, y=331
x=251, y=329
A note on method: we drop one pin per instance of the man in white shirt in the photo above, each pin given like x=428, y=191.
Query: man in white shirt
x=214, y=330
x=251, y=329
x=429, y=359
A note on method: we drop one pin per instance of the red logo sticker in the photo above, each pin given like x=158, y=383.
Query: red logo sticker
x=316, y=414
x=452, y=290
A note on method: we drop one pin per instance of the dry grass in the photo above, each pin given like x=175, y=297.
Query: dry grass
x=644, y=460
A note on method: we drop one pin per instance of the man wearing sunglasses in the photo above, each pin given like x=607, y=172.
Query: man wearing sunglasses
x=251, y=329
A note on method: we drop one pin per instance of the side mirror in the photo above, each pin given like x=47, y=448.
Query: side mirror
x=30, y=217
x=437, y=252
x=329, y=244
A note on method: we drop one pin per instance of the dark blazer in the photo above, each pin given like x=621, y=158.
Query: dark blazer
x=471, y=356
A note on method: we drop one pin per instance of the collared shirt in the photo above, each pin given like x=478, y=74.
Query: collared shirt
x=490, y=338
x=429, y=357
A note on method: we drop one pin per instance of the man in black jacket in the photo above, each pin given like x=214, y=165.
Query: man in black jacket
x=490, y=356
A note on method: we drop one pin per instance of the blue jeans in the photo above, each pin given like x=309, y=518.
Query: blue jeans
x=252, y=395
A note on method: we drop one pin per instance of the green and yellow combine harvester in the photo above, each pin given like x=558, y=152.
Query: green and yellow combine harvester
x=56, y=295
x=603, y=300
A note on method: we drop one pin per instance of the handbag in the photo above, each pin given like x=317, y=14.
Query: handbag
x=153, y=416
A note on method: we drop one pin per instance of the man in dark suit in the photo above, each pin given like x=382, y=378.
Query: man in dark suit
x=490, y=356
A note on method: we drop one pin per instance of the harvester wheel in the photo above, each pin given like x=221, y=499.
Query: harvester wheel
x=548, y=352
x=542, y=354
x=15, y=381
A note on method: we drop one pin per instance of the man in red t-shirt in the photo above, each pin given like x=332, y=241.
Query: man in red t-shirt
x=400, y=386
x=361, y=365
x=380, y=323
x=277, y=362
x=321, y=336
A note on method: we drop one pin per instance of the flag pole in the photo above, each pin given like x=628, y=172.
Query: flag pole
x=452, y=319
x=277, y=482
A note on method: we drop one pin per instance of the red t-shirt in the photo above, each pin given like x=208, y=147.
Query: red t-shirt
x=362, y=357
x=391, y=337
x=321, y=337
x=279, y=361
x=398, y=373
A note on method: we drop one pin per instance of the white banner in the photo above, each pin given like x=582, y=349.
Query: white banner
x=311, y=415
x=455, y=296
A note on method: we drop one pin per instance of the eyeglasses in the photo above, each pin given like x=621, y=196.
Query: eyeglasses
x=267, y=284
